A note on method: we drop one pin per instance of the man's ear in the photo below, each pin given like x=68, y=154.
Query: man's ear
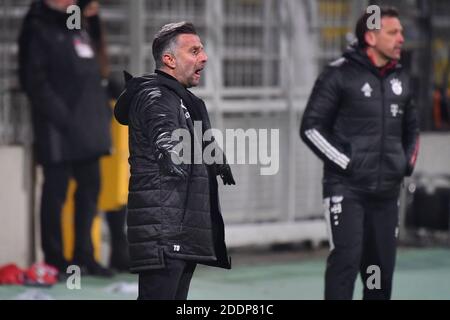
x=169, y=60
x=370, y=38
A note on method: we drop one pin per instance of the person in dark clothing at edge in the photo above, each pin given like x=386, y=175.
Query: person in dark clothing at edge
x=174, y=218
x=360, y=120
x=59, y=72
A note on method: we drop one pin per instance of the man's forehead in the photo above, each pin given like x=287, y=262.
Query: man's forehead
x=187, y=39
x=391, y=23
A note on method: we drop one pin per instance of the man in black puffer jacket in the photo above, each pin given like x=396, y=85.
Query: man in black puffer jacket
x=361, y=122
x=174, y=219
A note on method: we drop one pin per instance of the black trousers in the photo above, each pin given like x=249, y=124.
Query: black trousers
x=169, y=283
x=363, y=238
x=56, y=179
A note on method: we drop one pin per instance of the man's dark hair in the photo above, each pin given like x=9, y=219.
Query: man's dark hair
x=167, y=36
x=361, y=25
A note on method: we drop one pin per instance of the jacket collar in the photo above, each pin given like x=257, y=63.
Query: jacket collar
x=173, y=84
x=359, y=55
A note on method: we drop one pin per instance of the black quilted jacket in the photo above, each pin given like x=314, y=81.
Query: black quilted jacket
x=362, y=123
x=60, y=73
x=167, y=215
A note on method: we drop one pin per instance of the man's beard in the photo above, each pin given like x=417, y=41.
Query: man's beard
x=387, y=57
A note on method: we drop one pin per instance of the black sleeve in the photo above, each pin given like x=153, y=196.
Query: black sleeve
x=34, y=67
x=410, y=136
x=318, y=119
x=161, y=118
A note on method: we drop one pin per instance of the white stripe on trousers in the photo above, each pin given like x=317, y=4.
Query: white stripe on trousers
x=326, y=208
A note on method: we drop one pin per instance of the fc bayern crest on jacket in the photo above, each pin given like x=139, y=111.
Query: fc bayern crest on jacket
x=396, y=86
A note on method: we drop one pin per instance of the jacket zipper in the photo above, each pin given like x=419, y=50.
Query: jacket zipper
x=380, y=172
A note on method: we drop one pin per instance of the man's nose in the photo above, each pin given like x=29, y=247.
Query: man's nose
x=204, y=57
